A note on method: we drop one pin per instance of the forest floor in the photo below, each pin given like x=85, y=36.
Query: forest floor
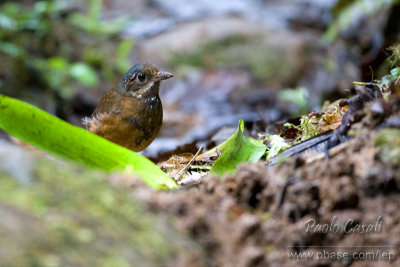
x=258, y=216
x=339, y=211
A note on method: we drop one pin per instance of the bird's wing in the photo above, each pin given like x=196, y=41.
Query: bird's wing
x=109, y=103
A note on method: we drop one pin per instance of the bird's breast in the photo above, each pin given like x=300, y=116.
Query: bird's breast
x=142, y=121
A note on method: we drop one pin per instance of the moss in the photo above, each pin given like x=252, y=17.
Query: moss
x=73, y=216
x=388, y=142
x=394, y=59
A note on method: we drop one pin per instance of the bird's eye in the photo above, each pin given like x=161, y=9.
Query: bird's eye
x=141, y=77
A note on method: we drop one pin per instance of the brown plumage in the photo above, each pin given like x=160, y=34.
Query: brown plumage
x=131, y=115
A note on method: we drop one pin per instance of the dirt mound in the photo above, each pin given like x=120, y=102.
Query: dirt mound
x=265, y=215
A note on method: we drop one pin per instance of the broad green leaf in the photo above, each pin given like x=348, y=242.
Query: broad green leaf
x=237, y=149
x=57, y=137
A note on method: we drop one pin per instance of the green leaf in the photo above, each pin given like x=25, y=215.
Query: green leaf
x=237, y=149
x=10, y=49
x=58, y=137
x=7, y=23
x=84, y=74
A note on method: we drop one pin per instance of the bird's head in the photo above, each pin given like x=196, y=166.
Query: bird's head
x=141, y=79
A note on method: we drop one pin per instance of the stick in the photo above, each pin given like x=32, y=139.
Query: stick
x=178, y=175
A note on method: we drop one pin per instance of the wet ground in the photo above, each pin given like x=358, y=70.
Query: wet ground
x=260, y=215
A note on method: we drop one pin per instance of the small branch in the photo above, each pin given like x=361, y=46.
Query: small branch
x=179, y=174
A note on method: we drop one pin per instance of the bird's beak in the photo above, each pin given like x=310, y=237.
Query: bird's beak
x=163, y=75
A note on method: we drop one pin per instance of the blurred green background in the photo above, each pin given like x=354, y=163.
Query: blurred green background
x=52, y=50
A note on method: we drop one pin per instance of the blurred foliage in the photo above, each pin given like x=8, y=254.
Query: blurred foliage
x=208, y=54
x=63, y=139
x=266, y=62
x=55, y=47
x=346, y=12
x=297, y=97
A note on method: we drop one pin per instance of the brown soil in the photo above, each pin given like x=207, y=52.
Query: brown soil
x=259, y=215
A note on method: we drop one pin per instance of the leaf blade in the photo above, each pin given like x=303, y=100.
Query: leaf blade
x=60, y=138
x=237, y=149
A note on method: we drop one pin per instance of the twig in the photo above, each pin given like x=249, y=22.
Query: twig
x=178, y=175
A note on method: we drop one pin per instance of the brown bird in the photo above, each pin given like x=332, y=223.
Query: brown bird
x=131, y=115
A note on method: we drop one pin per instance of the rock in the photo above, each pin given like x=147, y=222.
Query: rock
x=190, y=36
